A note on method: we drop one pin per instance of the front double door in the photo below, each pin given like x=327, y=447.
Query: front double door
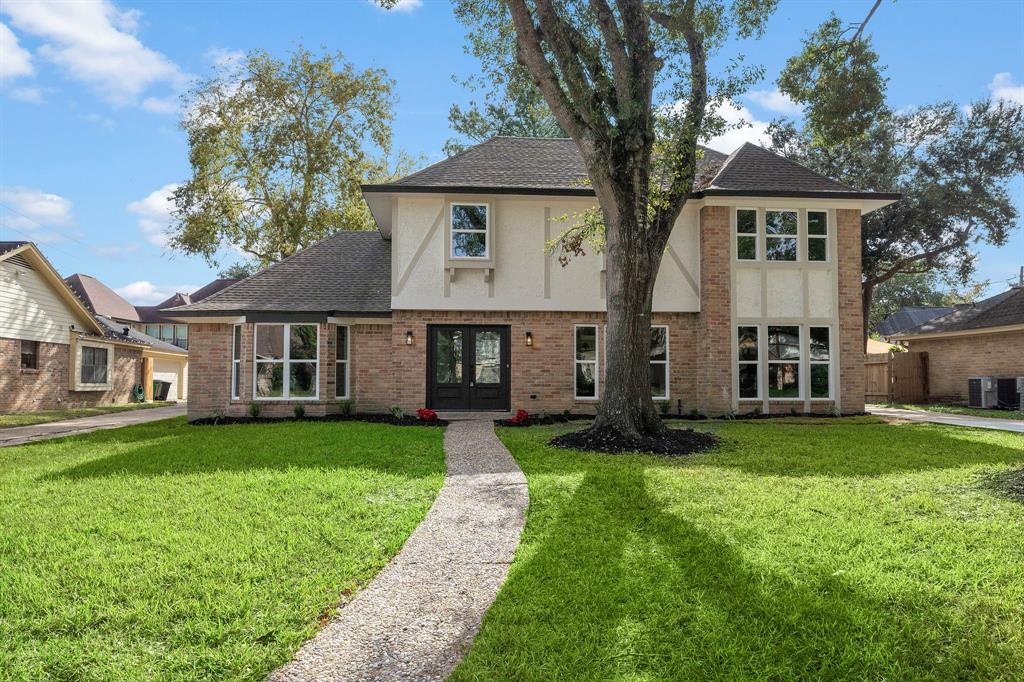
x=468, y=367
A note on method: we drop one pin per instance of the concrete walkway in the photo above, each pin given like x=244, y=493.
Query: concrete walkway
x=1016, y=425
x=18, y=435
x=418, y=617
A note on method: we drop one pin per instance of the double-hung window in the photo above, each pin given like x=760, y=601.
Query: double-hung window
x=585, y=367
x=286, y=365
x=94, y=365
x=746, y=234
x=659, y=362
x=820, y=359
x=784, y=362
x=236, y=361
x=749, y=367
x=470, y=231
x=780, y=235
x=817, y=236
x=341, y=363
x=29, y=354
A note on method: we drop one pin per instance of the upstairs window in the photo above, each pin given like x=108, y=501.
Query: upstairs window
x=470, y=231
x=781, y=235
x=29, y=354
x=746, y=234
x=817, y=236
x=94, y=365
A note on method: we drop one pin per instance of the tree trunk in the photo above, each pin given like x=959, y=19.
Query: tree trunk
x=867, y=295
x=626, y=403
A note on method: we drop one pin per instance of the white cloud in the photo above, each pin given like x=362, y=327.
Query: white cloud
x=403, y=5
x=777, y=101
x=94, y=42
x=114, y=250
x=15, y=60
x=154, y=212
x=30, y=95
x=144, y=292
x=222, y=57
x=1004, y=87
x=162, y=105
x=41, y=216
x=102, y=121
x=743, y=128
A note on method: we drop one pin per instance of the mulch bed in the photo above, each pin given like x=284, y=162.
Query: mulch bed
x=674, y=442
x=373, y=418
x=548, y=419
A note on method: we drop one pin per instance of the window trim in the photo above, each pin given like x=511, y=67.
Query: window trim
x=666, y=362
x=35, y=355
x=348, y=350
x=596, y=362
x=236, y=361
x=828, y=363
x=286, y=361
x=823, y=237
x=452, y=231
x=756, y=234
x=799, y=362
x=794, y=237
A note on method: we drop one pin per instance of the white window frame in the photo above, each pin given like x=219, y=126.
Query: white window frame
x=822, y=237
x=79, y=385
x=348, y=350
x=795, y=237
x=755, y=235
x=799, y=362
x=761, y=374
x=236, y=361
x=595, y=362
x=828, y=363
x=453, y=231
x=665, y=362
x=286, y=361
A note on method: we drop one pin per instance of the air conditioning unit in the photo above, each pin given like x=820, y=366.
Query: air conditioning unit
x=982, y=392
x=1008, y=392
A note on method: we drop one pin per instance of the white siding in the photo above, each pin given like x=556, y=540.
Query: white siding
x=30, y=309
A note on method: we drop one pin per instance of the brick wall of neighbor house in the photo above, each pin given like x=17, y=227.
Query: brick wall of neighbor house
x=714, y=322
x=851, y=315
x=954, y=359
x=47, y=387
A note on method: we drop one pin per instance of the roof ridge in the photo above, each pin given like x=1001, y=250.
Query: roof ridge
x=444, y=160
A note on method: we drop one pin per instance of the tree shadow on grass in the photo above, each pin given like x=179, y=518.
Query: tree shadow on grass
x=619, y=588
x=857, y=449
x=179, y=449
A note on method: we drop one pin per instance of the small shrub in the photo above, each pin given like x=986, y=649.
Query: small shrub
x=695, y=413
x=426, y=414
x=397, y=412
x=567, y=413
x=757, y=410
x=663, y=406
x=345, y=407
x=793, y=412
x=522, y=418
x=730, y=415
x=299, y=410
x=255, y=409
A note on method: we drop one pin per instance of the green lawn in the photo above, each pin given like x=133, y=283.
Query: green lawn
x=44, y=416
x=830, y=549
x=168, y=551
x=957, y=409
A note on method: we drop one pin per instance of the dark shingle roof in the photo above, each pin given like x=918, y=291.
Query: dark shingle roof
x=909, y=317
x=10, y=246
x=347, y=273
x=525, y=165
x=117, y=331
x=533, y=165
x=101, y=299
x=1000, y=310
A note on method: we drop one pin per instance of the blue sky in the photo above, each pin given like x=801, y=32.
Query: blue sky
x=89, y=142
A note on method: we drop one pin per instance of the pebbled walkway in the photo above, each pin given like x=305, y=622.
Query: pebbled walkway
x=418, y=617
x=18, y=435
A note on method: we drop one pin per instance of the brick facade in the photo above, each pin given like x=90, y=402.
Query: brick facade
x=851, y=312
x=714, y=323
x=46, y=388
x=954, y=359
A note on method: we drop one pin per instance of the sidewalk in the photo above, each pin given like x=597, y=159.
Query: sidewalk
x=1016, y=425
x=72, y=427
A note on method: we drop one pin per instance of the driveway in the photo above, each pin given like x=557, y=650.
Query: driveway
x=72, y=427
x=1016, y=425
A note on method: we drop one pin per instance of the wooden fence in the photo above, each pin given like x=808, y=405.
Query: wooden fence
x=896, y=377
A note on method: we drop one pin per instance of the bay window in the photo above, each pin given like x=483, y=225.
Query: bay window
x=780, y=235
x=585, y=364
x=286, y=365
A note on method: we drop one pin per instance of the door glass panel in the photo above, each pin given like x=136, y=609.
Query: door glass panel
x=488, y=358
x=449, y=356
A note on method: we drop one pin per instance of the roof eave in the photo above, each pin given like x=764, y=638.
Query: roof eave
x=905, y=336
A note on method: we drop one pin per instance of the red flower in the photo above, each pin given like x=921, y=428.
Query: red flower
x=426, y=414
x=522, y=417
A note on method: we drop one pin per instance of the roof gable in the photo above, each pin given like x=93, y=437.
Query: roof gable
x=101, y=299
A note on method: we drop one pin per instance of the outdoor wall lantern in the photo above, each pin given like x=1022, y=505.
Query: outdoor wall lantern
x=529, y=338
x=408, y=338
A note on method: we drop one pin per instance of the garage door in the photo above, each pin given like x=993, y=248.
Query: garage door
x=167, y=370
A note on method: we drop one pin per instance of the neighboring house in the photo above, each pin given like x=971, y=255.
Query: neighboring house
x=453, y=304
x=154, y=322
x=979, y=340
x=53, y=352
x=908, y=317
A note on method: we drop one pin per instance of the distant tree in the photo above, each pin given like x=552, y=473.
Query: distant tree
x=278, y=152
x=239, y=270
x=930, y=289
x=953, y=167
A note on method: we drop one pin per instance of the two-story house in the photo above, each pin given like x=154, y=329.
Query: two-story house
x=453, y=302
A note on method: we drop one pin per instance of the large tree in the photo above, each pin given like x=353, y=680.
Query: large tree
x=953, y=167
x=278, y=152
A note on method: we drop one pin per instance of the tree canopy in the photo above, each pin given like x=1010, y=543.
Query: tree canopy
x=278, y=152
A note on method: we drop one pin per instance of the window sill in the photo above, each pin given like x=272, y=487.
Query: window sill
x=29, y=370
